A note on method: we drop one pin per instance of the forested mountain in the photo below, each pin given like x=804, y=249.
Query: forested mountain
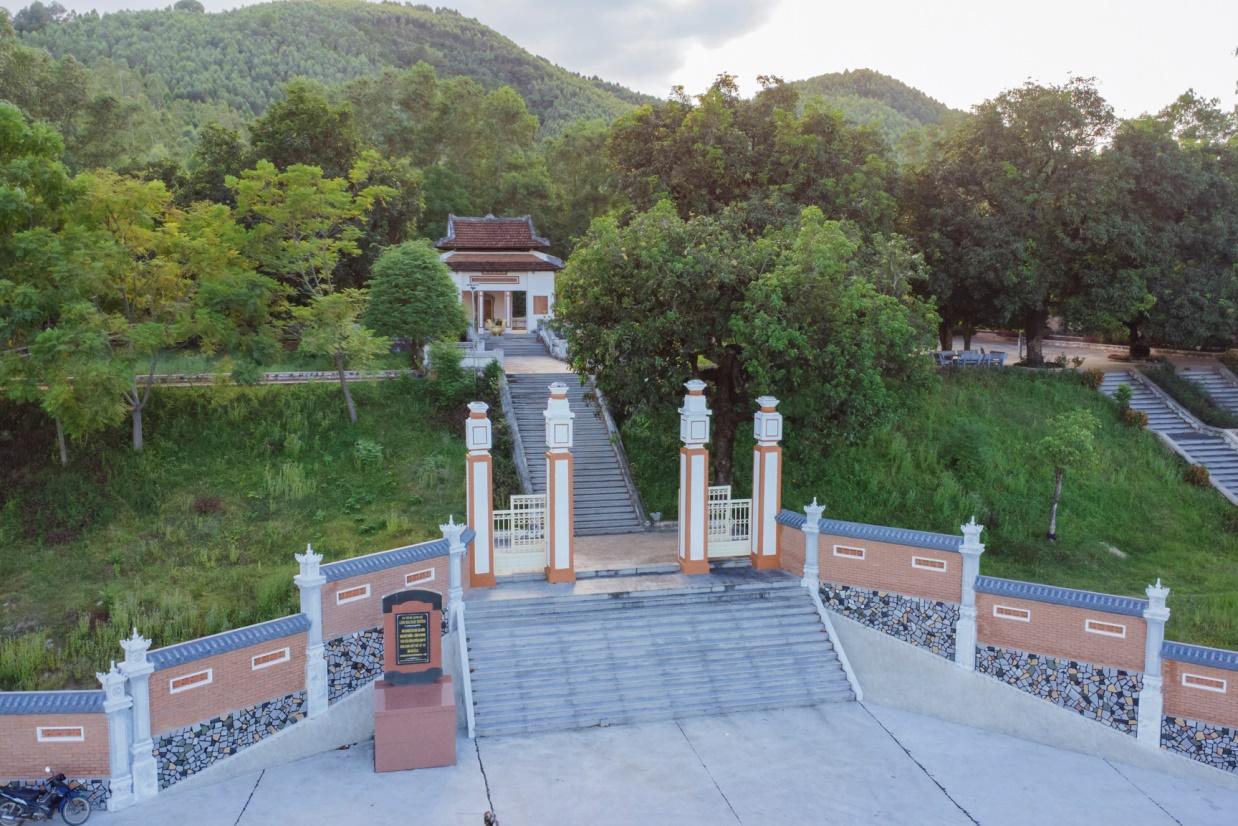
x=867, y=96
x=242, y=57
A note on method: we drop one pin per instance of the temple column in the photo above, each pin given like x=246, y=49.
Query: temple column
x=766, y=484
x=560, y=558
x=479, y=475
x=1152, y=696
x=694, y=480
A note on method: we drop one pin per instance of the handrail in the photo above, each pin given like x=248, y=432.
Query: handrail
x=815, y=594
x=466, y=676
x=509, y=414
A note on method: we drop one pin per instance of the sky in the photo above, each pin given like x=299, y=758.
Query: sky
x=1143, y=52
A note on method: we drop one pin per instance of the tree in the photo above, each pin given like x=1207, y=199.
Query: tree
x=330, y=327
x=37, y=16
x=220, y=153
x=1070, y=445
x=305, y=128
x=191, y=6
x=303, y=223
x=390, y=219
x=582, y=183
x=412, y=297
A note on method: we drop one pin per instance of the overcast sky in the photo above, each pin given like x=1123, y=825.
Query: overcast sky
x=961, y=52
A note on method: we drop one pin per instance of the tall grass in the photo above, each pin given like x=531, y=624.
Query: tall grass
x=968, y=447
x=196, y=534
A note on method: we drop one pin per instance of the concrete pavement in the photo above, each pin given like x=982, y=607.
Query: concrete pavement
x=837, y=764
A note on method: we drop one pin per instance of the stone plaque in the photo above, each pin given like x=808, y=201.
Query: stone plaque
x=412, y=638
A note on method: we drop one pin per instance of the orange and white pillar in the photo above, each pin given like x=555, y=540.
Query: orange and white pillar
x=560, y=559
x=766, y=483
x=480, y=483
x=694, y=480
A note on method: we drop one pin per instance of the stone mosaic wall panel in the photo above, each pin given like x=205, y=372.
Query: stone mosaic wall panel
x=353, y=661
x=97, y=790
x=193, y=748
x=1107, y=695
x=1214, y=745
x=923, y=622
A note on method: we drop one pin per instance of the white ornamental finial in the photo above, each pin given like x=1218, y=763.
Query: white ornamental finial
x=1157, y=594
x=812, y=514
x=452, y=531
x=135, y=648
x=971, y=534
x=309, y=561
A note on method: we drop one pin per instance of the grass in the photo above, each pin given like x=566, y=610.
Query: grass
x=196, y=534
x=192, y=362
x=969, y=446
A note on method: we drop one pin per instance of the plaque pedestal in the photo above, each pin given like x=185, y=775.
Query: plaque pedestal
x=414, y=725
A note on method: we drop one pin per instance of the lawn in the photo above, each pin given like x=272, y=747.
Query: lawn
x=197, y=533
x=969, y=446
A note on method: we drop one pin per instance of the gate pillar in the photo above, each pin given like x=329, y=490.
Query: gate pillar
x=480, y=482
x=766, y=484
x=694, y=480
x=560, y=558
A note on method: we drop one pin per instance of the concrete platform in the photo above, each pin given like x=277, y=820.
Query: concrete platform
x=627, y=550
x=836, y=764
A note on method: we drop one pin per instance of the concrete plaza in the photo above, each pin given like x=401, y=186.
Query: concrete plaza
x=847, y=763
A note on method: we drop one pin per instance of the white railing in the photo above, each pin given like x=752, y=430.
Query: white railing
x=520, y=536
x=730, y=523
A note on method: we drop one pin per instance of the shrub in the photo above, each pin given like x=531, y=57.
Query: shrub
x=1134, y=418
x=1190, y=395
x=1093, y=378
x=1123, y=396
x=1197, y=475
x=1230, y=359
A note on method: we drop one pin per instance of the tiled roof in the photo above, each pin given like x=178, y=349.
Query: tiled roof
x=1200, y=655
x=1110, y=603
x=878, y=533
x=50, y=702
x=519, y=262
x=227, y=641
x=491, y=233
x=383, y=560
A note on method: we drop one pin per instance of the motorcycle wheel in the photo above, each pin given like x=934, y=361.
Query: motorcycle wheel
x=10, y=814
x=75, y=810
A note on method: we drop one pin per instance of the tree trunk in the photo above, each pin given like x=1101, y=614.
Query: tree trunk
x=969, y=330
x=1034, y=331
x=1057, y=495
x=1137, y=344
x=352, y=408
x=726, y=401
x=945, y=335
x=137, y=427
x=61, y=444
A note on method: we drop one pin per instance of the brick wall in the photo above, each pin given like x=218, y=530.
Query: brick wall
x=23, y=757
x=1197, y=703
x=340, y=618
x=234, y=683
x=791, y=549
x=1058, y=630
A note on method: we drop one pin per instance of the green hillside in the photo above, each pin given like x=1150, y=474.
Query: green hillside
x=241, y=57
x=867, y=96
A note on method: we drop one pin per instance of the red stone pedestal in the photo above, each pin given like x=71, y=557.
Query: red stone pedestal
x=414, y=725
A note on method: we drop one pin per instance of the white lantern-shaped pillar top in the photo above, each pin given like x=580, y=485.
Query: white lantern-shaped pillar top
x=558, y=415
x=694, y=415
x=477, y=429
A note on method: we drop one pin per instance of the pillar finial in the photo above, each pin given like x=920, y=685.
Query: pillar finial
x=452, y=531
x=812, y=514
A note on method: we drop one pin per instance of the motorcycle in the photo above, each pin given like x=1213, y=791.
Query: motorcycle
x=18, y=805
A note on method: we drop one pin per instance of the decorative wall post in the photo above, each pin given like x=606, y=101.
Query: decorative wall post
x=1152, y=696
x=766, y=484
x=560, y=559
x=480, y=482
x=455, y=553
x=137, y=670
x=116, y=704
x=965, y=631
x=812, y=545
x=694, y=480
x=310, y=581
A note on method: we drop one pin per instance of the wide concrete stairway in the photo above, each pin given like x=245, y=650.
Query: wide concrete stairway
x=1221, y=388
x=603, y=504
x=631, y=655
x=515, y=345
x=1214, y=452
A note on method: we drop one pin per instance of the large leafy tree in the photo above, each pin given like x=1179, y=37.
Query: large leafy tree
x=308, y=129
x=412, y=297
x=330, y=327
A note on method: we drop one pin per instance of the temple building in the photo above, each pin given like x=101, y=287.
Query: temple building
x=501, y=270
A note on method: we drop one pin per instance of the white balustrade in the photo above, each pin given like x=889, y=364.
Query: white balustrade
x=520, y=536
x=730, y=523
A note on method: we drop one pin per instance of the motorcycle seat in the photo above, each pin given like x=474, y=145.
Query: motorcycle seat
x=24, y=793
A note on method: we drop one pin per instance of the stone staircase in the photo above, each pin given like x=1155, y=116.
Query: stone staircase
x=1222, y=390
x=737, y=641
x=603, y=503
x=1200, y=445
x=515, y=345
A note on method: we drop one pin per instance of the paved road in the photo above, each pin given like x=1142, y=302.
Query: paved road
x=837, y=764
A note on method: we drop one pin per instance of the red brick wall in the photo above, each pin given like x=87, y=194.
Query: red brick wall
x=234, y=684
x=887, y=567
x=1196, y=703
x=23, y=757
x=791, y=549
x=1058, y=630
x=338, y=620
